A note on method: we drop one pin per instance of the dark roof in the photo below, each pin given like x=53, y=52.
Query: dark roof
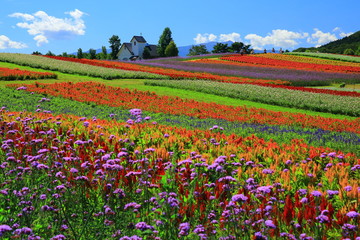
x=129, y=47
x=139, y=39
x=153, y=50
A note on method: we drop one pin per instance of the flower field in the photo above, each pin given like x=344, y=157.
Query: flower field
x=267, y=61
x=277, y=96
x=160, y=187
x=328, y=56
x=124, y=98
x=88, y=160
x=295, y=76
x=73, y=68
x=16, y=74
x=171, y=73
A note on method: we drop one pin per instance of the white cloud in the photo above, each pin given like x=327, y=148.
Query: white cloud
x=342, y=34
x=234, y=37
x=45, y=27
x=277, y=38
x=5, y=43
x=320, y=38
x=204, y=38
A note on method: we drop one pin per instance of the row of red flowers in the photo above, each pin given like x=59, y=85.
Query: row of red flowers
x=17, y=74
x=124, y=98
x=172, y=73
x=258, y=60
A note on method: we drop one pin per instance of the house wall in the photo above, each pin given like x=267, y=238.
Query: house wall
x=137, y=48
x=124, y=53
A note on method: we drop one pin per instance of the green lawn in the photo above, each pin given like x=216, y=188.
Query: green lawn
x=139, y=84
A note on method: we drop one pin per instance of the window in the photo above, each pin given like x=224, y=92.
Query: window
x=135, y=43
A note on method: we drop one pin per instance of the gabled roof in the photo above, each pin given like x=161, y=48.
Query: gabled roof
x=153, y=50
x=129, y=47
x=139, y=39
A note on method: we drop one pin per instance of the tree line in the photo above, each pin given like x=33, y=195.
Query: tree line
x=166, y=47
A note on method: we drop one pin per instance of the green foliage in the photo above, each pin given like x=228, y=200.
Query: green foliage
x=92, y=53
x=349, y=51
x=247, y=48
x=357, y=52
x=36, y=53
x=171, y=50
x=164, y=41
x=338, y=46
x=198, y=50
x=146, y=53
x=115, y=45
x=49, y=53
x=80, y=53
x=237, y=46
x=220, y=48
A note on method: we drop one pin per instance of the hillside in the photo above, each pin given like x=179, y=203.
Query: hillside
x=338, y=46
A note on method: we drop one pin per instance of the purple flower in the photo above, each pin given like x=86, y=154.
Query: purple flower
x=4, y=228
x=239, y=197
x=322, y=218
x=184, y=229
x=348, y=188
x=86, y=124
x=316, y=193
x=352, y=214
x=270, y=224
x=58, y=237
x=143, y=226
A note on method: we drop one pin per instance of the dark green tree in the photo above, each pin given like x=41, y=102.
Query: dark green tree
x=247, y=49
x=49, y=53
x=171, y=50
x=104, y=53
x=164, y=41
x=92, y=53
x=80, y=53
x=64, y=54
x=357, y=52
x=349, y=51
x=221, y=48
x=198, y=50
x=114, y=46
x=146, y=53
x=37, y=53
x=236, y=47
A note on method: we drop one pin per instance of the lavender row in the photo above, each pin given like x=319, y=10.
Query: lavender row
x=296, y=77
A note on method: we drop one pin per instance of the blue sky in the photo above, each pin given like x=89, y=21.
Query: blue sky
x=66, y=25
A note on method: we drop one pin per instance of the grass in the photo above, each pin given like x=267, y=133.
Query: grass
x=164, y=91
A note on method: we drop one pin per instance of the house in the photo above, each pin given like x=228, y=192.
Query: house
x=135, y=48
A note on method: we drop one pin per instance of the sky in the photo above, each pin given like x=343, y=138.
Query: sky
x=67, y=25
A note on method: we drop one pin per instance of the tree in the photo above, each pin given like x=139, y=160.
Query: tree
x=49, y=53
x=198, y=50
x=171, y=50
x=357, y=52
x=80, y=53
x=37, y=53
x=247, y=49
x=146, y=53
x=164, y=41
x=64, y=54
x=115, y=46
x=220, y=48
x=349, y=51
x=92, y=53
x=236, y=46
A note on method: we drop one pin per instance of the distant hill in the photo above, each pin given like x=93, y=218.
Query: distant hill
x=338, y=46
